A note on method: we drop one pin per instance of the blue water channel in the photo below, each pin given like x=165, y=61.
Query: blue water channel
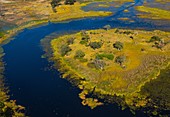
x=37, y=86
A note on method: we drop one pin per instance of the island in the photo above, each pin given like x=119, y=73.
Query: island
x=116, y=65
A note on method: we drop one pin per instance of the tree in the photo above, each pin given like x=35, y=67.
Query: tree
x=79, y=54
x=55, y=3
x=95, y=45
x=70, y=2
x=118, y=45
x=155, y=38
x=64, y=49
x=70, y=40
x=85, y=37
x=107, y=27
x=99, y=64
x=120, y=59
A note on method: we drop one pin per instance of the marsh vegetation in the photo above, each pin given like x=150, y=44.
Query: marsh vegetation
x=116, y=62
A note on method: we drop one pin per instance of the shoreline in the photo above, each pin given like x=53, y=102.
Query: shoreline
x=80, y=81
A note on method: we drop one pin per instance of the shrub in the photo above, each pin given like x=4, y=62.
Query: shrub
x=79, y=54
x=70, y=2
x=118, y=45
x=95, y=45
x=99, y=64
x=120, y=59
x=70, y=41
x=85, y=37
x=155, y=38
x=107, y=27
x=55, y=3
x=83, y=42
x=64, y=49
x=127, y=32
x=117, y=31
x=108, y=56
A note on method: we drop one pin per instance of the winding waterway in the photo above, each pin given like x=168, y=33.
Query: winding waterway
x=38, y=87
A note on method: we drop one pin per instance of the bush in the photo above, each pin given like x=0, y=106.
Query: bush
x=55, y=3
x=79, y=54
x=64, y=49
x=118, y=45
x=107, y=27
x=95, y=45
x=155, y=38
x=108, y=56
x=120, y=59
x=70, y=2
x=117, y=31
x=70, y=41
x=83, y=42
x=99, y=64
x=127, y=32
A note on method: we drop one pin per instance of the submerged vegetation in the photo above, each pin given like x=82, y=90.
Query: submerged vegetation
x=120, y=65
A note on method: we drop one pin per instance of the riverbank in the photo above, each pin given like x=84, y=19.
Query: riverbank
x=39, y=14
x=113, y=63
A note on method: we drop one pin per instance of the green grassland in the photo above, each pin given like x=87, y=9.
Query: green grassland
x=97, y=65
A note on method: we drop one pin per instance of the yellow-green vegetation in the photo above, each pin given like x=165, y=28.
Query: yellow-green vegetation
x=112, y=62
x=65, y=12
x=153, y=13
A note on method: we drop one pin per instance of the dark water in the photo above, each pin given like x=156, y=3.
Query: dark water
x=42, y=91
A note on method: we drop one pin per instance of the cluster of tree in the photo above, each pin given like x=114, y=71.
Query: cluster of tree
x=79, y=54
x=70, y=40
x=70, y=2
x=118, y=45
x=120, y=59
x=64, y=49
x=55, y=3
x=158, y=42
x=95, y=45
x=123, y=32
x=98, y=64
x=85, y=37
x=154, y=38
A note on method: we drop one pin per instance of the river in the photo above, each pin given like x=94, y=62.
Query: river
x=38, y=87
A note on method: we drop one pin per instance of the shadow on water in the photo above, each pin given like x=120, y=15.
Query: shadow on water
x=38, y=87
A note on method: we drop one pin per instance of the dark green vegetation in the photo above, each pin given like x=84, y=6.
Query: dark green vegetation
x=79, y=54
x=118, y=45
x=65, y=49
x=95, y=45
x=55, y=3
x=108, y=56
x=158, y=93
